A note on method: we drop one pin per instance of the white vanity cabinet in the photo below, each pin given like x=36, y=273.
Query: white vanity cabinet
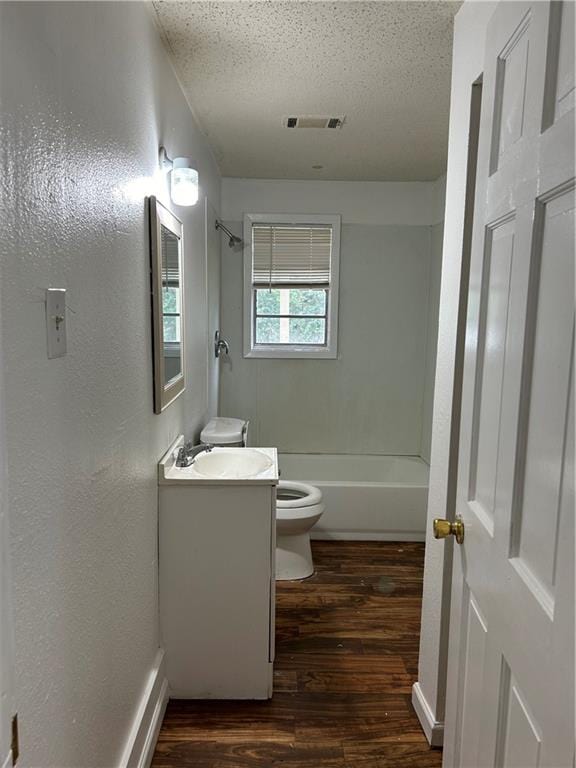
x=217, y=580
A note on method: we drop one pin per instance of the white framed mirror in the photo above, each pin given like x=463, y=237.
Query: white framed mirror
x=167, y=304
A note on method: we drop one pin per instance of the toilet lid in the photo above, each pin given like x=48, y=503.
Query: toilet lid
x=307, y=495
x=223, y=431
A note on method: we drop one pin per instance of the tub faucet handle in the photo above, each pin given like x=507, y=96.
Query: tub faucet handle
x=221, y=346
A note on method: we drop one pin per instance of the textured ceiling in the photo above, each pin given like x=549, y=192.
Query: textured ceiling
x=385, y=65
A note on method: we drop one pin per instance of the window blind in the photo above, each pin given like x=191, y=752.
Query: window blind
x=291, y=255
x=170, y=257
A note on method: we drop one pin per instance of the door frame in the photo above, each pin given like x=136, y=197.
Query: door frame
x=7, y=707
x=211, y=235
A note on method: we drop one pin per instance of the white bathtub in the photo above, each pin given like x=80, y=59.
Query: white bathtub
x=366, y=497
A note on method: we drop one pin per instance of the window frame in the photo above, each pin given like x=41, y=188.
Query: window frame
x=292, y=351
x=172, y=284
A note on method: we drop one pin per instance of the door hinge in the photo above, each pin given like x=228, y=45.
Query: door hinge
x=15, y=743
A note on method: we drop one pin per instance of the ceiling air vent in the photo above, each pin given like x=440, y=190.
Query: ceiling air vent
x=313, y=121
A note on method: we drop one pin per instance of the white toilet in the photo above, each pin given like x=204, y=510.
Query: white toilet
x=222, y=431
x=298, y=506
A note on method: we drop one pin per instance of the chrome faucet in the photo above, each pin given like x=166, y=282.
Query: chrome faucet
x=188, y=452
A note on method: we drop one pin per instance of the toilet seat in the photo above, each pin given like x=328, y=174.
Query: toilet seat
x=295, y=516
x=304, y=495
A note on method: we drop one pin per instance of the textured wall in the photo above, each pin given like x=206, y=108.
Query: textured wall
x=87, y=94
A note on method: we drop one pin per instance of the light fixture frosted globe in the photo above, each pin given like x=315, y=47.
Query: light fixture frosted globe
x=183, y=182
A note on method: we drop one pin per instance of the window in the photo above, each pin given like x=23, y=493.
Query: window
x=291, y=285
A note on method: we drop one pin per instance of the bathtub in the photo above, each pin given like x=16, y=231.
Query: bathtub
x=366, y=497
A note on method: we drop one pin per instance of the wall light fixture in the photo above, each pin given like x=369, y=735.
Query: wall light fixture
x=184, y=178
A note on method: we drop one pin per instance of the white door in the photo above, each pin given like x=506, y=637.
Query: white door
x=511, y=659
x=213, y=298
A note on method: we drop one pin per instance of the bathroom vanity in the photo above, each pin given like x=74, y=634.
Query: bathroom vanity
x=216, y=572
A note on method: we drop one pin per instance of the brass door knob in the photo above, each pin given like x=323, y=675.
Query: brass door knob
x=444, y=528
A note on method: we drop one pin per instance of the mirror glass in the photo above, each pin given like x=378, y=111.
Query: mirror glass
x=167, y=305
x=171, y=305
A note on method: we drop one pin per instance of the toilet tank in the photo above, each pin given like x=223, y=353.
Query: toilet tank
x=224, y=431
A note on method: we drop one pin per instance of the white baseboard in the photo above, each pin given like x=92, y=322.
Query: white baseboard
x=433, y=730
x=398, y=536
x=141, y=741
x=8, y=760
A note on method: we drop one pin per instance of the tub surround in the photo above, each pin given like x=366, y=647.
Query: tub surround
x=358, y=426
x=376, y=396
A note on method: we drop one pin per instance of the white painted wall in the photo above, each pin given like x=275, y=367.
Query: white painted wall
x=372, y=398
x=467, y=63
x=375, y=203
x=87, y=95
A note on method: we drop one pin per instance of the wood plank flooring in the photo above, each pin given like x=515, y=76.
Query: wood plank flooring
x=346, y=657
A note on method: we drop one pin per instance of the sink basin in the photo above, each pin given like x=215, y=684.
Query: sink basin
x=232, y=463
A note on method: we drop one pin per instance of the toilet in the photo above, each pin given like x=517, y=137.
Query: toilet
x=298, y=506
x=225, y=432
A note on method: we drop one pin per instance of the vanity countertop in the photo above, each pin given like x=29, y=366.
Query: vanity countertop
x=170, y=474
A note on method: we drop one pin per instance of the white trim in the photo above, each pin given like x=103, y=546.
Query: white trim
x=398, y=536
x=165, y=392
x=330, y=351
x=433, y=729
x=293, y=353
x=8, y=761
x=7, y=703
x=143, y=735
x=209, y=341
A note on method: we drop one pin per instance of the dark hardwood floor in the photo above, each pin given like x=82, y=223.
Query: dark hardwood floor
x=346, y=657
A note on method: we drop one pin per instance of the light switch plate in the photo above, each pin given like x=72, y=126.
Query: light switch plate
x=56, y=321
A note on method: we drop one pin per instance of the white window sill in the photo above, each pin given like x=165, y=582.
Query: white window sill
x=293, y=353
